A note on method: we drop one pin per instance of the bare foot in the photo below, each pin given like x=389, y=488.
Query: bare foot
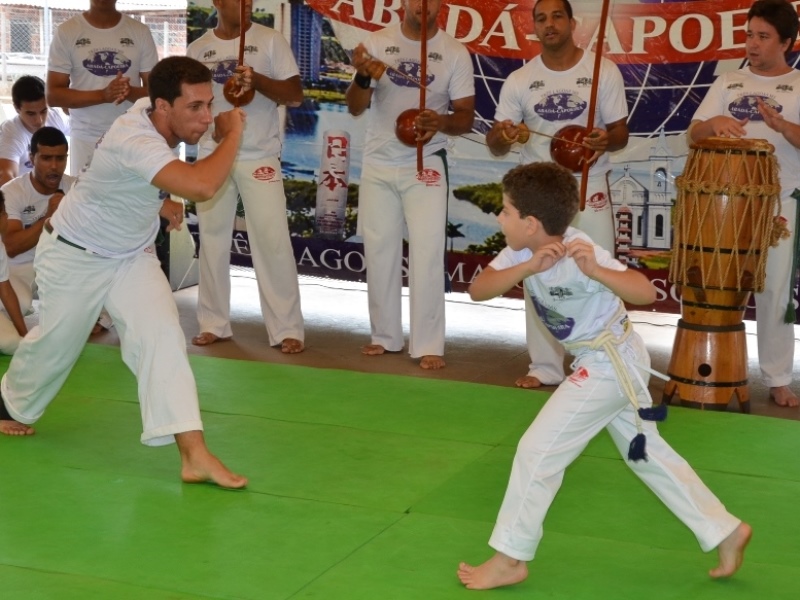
x=12, y=427
x=198, y=465
x=783, y=396
x=431, y=362
x=498, y=571
x=528, y=382
x=373, y=349
x=731, y=551
x=292, y=346
x=98, y=328
x=207, y=338
x=8, y=426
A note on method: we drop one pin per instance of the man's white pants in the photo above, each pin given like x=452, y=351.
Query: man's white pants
x=776, y=338
x=388, y=197
x=589, y=400
x=597, y=221
x=23, y=280
x=9, y=336
x=74, y=285
x=80, y=152
x=260, y=185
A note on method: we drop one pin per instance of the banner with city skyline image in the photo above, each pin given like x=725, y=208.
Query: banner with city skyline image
x=668, y=52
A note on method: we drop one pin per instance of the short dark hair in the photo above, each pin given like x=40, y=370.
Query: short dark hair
x=27, y=88
x=169, y=74
x=781, y=15
x=546, y=191
x=47, y=136
x=567, y=8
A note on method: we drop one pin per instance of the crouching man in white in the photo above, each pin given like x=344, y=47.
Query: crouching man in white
x=30, y=199
x=93, y=254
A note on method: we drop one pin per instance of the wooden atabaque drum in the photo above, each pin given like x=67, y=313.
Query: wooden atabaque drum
x=728, y=198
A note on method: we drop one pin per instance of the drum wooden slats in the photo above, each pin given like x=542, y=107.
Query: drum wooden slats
x=727, y=201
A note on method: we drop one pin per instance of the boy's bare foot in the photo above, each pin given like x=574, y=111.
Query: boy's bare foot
x=528, y=382
x=373, y=349
x=198, y=465
x=498, y=571
x=783, y=396
x=8, y=426
x=207, y=338
x=431, y=362
x=731, y=551
x=292, y=346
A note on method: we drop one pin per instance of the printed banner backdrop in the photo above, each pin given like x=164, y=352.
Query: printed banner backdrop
x=669, y=53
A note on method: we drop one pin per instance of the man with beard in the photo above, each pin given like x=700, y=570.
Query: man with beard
x=30, y=199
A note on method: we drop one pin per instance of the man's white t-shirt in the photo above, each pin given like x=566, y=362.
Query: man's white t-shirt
x=92, y=58
x=449, y=77
x=15, y=139
x=25, y=204
x=269, y=54
x=734, y=94
x=548, y=101
x=113, y=208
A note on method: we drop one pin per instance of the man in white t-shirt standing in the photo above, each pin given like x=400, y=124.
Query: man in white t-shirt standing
x=30, y=199
x=98, y=65
x=550, y=92
x=96, y=251
x=27, y=96
x=392, y=191
x=256, y=176
x=761, y=101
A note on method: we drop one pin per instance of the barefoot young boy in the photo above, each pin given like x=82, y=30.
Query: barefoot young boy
x=578, y=291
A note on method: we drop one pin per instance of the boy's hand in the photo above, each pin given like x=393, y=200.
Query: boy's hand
x=228, y=122
x=546, y=256
x=582, y=252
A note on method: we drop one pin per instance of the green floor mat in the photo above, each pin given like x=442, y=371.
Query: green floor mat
x=363, y=486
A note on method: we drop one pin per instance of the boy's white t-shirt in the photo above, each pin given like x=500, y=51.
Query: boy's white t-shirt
x=572, y=306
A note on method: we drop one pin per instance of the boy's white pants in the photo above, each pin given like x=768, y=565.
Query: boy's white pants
x=589, y=400
x=74, y=285
x=597, y=221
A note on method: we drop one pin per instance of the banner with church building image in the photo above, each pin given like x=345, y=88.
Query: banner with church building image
x=669, y=53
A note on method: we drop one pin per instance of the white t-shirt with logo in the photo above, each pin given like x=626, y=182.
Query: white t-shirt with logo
x=92, y=58
x=113, y=208
x=449, y=77
x=268, y=53
x=573, y=307
x=549, y=100
x=25, y=204
x=15, y=139
x=734, y=94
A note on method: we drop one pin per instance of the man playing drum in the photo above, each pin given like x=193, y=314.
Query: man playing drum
x=760, y=100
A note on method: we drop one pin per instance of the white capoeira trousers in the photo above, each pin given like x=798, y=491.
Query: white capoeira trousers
x=388, y=198
x=74, y=285
x=597, y=221
x=80, y=152
x=23, y=280
x=775, y=337
x=589, y=400
x=260, y=185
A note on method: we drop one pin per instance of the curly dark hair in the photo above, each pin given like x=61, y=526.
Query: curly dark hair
x=546, y=191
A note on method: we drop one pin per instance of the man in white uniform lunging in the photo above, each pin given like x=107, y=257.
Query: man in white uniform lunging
x=95, y=252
